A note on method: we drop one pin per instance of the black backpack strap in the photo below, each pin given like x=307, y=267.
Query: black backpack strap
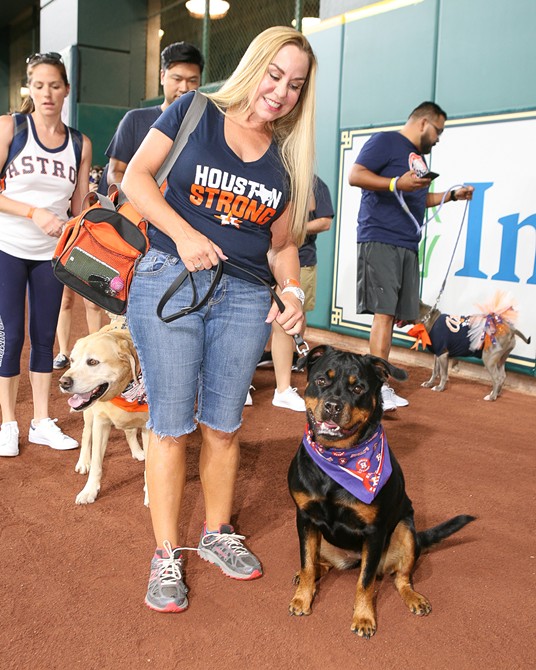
x=20, y=135
x=78, y=142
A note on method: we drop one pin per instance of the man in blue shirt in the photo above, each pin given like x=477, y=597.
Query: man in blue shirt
x=388, y=234
x=181, y=68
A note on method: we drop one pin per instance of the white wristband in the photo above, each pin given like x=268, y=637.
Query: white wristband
x=295, y=290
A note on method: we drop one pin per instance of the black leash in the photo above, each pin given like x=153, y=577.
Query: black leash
x=301, y=346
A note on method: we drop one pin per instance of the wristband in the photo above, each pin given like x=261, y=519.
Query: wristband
x=30, y=213
x=453, y=196
x=297, y=291
x=291, y=282
x=392, y=184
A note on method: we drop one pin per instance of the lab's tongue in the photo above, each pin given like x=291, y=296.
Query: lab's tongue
x=78, y=399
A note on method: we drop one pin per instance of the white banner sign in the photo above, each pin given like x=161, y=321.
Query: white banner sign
x=496, y=249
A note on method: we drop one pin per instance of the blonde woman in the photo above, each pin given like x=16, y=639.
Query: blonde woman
x=49, y=177
x=239, y=191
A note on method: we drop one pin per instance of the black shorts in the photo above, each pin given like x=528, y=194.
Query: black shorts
x=387, y=281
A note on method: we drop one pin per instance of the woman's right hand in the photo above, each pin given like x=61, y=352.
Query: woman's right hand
x=197, y=252
x=49, y=223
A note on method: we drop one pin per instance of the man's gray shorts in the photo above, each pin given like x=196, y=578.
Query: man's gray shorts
x=387, y=281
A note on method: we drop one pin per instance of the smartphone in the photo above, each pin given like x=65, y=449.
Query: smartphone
x=82, y=264
x=430, y=175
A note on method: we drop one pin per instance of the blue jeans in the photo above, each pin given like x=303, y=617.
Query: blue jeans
x=209, y=355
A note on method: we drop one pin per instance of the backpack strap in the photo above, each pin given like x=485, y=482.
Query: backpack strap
x=78, y=141
x=20, y=135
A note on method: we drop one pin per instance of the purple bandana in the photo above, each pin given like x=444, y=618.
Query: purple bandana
x=362, y=470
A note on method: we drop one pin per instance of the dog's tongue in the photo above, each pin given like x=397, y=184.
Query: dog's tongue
x=78, y=399
x=328, y=425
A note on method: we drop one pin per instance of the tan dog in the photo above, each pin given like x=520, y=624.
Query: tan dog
x=102, y=365
x=490, y=336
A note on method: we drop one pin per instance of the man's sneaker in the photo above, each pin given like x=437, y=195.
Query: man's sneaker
x=400, y=401
x=225, y=549
x=289, y=399
x=60, y=362
x=9, y=439
x=388, y=399
x=48, y=433
x=265, y=359
x=249, y=399
x=166, y=591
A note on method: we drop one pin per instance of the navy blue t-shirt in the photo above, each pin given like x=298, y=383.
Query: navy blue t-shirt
x=323, y=207
x=130, y=133
x=380, y=217
x=230, y=201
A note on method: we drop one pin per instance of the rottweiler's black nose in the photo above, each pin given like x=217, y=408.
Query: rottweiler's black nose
x=333, y=408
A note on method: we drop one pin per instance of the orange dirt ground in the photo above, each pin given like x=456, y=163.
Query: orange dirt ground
x=74, y=577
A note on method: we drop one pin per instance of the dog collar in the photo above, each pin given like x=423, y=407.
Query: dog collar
x=362, y=470
x=134, y=397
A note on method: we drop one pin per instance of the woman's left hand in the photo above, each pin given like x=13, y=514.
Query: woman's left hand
x=291, y=320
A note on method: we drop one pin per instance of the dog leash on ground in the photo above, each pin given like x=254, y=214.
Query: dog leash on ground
x=301, y=346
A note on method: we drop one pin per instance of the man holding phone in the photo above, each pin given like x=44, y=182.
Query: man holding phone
x=388, y=236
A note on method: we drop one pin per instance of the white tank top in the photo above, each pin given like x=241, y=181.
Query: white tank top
x=40, y=177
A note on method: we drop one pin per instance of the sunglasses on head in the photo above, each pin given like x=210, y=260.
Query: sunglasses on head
x=49, y=55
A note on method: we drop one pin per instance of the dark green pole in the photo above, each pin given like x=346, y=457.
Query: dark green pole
x=206, y=42
x=298, y=14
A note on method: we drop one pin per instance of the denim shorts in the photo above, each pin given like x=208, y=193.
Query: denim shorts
x=199, y=367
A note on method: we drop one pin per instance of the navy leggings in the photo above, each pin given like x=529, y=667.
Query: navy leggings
x=44, y=300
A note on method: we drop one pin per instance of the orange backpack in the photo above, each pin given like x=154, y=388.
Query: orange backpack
x=98, y=251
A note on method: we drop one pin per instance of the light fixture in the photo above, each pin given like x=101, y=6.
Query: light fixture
x=24, y=91
x=217, y=8
x=160, y=34
x=307, y=21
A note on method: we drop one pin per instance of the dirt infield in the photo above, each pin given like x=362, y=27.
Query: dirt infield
x=74, y=577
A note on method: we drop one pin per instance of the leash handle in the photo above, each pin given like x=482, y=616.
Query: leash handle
x=301, y=346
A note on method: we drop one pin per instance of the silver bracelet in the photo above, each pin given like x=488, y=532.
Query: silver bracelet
x=295, y=290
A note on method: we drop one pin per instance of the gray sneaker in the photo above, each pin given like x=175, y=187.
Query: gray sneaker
x=225, y=549
x=166, y=591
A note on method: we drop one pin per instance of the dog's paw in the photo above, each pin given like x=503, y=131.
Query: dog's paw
x=82, y=468
x=363, y=626
x=87, y=496
x=299, y=607
x=438, y=388
x=138, y=455
x=490, y=396
x=418, y=604
x=427, y=385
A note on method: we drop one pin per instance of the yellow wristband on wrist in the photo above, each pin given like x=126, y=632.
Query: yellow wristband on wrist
x=30, y=213
x=392, y=184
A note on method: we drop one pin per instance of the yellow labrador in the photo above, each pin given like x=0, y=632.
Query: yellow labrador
x=102, y=366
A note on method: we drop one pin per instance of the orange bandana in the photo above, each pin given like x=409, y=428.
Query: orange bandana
x=420, y=333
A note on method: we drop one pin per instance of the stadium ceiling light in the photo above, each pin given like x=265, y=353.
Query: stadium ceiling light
x=217, y=8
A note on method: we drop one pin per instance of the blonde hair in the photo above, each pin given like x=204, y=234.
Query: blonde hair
x=27, y=106
x=295, y=132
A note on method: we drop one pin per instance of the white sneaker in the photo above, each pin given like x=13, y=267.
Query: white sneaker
x=9, y=439
x=289, y=399
x=388, y=399
x=249, y=399
x=48, y=433
x=400, y=401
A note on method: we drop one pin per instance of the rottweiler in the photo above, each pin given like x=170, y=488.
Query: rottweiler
x=351, y=504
